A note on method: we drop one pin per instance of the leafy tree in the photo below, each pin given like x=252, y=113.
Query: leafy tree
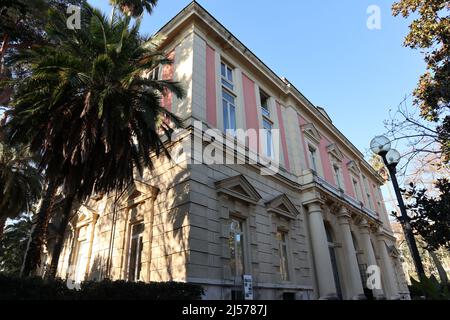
x=14, y=244
x=430, y=216
x=20, y=182
x=430, y=33
x=88, y=109
x=134, y=8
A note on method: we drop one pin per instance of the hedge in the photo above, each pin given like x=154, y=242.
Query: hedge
x=36, y=288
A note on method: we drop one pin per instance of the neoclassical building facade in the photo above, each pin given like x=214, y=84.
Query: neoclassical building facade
x=308, y=230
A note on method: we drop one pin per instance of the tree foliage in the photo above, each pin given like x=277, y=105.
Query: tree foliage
x=88, y=109
x=13, y=244
x=20, y=181
x=430, y=33
x=430, y=216
x=135, y=8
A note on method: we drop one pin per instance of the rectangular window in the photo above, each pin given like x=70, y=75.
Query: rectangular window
x=313, y=158
x=229, y=111
x=337, y=176
x=264, y=104
x=356, y=187
x=283, y=251
x=236, y=247
x=227, y=76
x=367, y=189
x=268, y=148
x=154, y=74
x=135, y=252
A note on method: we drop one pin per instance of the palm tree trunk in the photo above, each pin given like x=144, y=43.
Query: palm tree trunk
x=439, y=267
x=3, y=49
x=33, y=254
x=2, y=226
x=59, y=241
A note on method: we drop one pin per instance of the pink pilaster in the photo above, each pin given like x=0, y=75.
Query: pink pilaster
x=251, y=112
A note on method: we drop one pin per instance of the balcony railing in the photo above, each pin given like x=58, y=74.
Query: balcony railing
x=340, y=193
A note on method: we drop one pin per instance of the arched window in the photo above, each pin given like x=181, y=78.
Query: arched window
x=332, y=250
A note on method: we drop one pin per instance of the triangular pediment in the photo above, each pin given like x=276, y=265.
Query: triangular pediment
x=281, y=205
x=136, y=193
x=353, y=167
x=238, y=187
x=393, y=251
x=310, y=131
x=335, y=151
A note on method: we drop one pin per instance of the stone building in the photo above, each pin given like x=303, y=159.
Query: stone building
x=307, y=229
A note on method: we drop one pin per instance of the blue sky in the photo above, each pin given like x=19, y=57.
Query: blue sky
x=325, y=49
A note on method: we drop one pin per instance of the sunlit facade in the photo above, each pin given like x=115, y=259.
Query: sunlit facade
x=310, y=230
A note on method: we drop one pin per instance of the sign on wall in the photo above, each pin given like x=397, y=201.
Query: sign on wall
x=248, y=287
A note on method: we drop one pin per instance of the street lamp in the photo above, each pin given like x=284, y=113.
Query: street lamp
x=381, y=145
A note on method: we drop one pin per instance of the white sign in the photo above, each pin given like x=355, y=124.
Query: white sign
x=248, y=287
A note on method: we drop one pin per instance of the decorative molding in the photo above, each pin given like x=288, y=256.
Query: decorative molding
x=137, y=193
x=238, y=187
x=282, y=206
x=311, y=132
x=334, y=150
x=353, y=167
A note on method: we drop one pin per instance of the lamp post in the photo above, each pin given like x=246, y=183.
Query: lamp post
x=381, y=145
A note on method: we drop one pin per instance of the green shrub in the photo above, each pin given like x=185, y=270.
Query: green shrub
x=429, y=289
x=36, y=288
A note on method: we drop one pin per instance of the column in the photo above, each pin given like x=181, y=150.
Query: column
x=387, y=269
x=355, y=288
x=370, y=255
x=321, y=254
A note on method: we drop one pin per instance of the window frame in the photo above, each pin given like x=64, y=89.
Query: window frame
x=338, y=176
x=265, y=110
x=282, y=237
x=312, y=157
x=139, y=237
x=242, y=255
x=370, y=202
x=229, y=71
x=155, y=73
x=229, y=108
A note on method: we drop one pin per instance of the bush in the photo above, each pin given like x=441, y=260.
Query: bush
x=429, y=289
x=36, y=288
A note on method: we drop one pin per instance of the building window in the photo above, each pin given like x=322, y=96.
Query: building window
x=356, y=187
x=135, y=252
x=154, y=74
x=283, y=252
x=268, y=140
x=312, y=158
x=333, y=260
x=367, y=189
x=337, y=176
x=229, y=112
x=80, y=255
x=236, y=247
x=227, y=75
x=264, y=104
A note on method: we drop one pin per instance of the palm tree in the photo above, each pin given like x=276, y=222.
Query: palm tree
x=20, y=183
x=14, y=243
x=134, y=8
x=89, y=110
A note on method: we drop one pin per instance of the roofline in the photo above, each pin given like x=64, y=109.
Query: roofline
x=287, y=87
